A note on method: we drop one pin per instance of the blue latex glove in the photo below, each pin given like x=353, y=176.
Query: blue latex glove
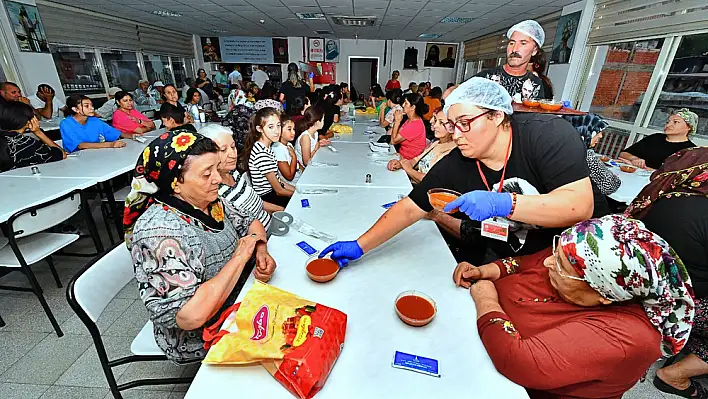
x=481, y=205
x=343, y=252
x=311, y=75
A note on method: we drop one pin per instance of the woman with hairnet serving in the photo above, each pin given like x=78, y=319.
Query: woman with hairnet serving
x=523, y=179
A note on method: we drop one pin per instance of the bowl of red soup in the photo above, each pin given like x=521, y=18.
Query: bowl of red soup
x=439, y=197
x=321, y=270
x=548, y=105
x=531, y=102
x=415, y=308
x=628, y=169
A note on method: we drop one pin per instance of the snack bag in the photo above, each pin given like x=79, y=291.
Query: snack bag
x=296, y=340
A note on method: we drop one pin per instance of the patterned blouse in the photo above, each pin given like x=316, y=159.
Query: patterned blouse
x=605, y=180
x=172, y=258
x=25, y=150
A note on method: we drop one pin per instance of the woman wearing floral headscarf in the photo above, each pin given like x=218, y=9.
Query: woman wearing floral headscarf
x=675, y=205
x=651, y=151
x=587, y=317
x=191, y=260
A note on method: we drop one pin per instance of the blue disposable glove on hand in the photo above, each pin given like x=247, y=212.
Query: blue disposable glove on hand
x=311, y=75
x=343, y=252
x=481, y=205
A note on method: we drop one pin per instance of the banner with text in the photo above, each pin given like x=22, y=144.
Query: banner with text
x=244, y=49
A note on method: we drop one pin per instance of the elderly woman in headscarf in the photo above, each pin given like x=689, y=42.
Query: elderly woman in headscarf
x=651, y=151
x=675, y=206
x=590, y=127
x=587, y=317
x=191, y=258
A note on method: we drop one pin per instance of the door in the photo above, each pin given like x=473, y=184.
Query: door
x=363, y=72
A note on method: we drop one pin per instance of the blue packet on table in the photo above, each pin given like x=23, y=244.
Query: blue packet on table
x=419, y=364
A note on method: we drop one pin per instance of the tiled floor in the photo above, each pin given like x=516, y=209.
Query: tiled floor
x=35, y=363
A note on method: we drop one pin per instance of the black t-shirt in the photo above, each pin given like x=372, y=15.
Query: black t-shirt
x=519, y=87
x=683, y=223
x=655, y=149
x=546, y=154
x=20, y=150
x=329, y=112
x=291, y=93
x=208, y=88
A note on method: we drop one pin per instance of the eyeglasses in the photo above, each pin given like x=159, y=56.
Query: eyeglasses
x=556, y=239
x=463, y=125
x=449, y=127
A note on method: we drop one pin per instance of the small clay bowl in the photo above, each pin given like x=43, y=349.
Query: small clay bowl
x=550, y=105
x=439, y=203
x=628, y=169
x=530, y=102
x=321, y=278
x=605, y=158
x=408, y=319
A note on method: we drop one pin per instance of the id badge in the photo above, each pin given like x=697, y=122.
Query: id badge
x=496, y=228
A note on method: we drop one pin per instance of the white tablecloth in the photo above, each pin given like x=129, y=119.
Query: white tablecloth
x=632, y=184
x=366, y=291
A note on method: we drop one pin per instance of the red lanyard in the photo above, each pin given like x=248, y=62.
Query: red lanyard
x=506, y=160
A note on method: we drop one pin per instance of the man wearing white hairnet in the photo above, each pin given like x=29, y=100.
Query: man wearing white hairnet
x=525, y=40
x=523, y=177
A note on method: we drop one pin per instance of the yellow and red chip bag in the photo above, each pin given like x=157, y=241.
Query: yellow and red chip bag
x=296, y=340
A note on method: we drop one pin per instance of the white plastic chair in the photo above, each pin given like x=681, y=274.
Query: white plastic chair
x=29, y=242
x=90, y=291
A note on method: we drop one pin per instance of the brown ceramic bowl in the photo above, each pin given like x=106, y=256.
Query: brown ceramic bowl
x=412, y=319
x=439, y=197
x=550, y=105
x=530, y=102
x=604, y=158
x=628, y=169
x=318, y=275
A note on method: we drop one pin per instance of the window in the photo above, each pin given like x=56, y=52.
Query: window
x=686, y=84
x=78, y=70
x=122, y=69
x=624, y=70
x=157, y=67
x=183, y=69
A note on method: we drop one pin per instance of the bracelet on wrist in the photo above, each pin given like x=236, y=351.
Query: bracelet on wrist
x=513, y=205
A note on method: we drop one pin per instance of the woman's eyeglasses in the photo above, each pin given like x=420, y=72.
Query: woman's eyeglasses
x=556, y=239
x=463, y=125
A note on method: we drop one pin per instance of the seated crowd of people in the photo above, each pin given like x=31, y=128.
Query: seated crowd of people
x=572, y=300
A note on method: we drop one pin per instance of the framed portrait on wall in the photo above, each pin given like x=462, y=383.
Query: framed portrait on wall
x=27, y=26
x=565, y=36
x=440, y=55
x=332, y=50
x=280, y=51
x=211, y=49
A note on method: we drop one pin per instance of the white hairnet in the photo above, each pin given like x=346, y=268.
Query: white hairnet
x=482, y=93
x=529, y=28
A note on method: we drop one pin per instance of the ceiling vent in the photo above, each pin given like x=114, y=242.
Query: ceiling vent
x=323, y=32
x=354, y=21
x=311, y=16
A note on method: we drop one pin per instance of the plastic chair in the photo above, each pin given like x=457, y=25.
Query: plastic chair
x=90, y=291
x=29, y=243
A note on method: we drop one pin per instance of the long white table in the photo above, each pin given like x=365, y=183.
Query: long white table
x=632, y=184
x=354, y=161
x=23, y=193
x=416, y=259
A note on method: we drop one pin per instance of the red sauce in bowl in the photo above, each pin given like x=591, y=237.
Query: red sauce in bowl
x=322, y=267
x=415, y=307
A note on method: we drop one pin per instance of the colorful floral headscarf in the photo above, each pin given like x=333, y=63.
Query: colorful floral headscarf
x=690, y=117
x=156, y=174
x=622, y=260
x=682, y=174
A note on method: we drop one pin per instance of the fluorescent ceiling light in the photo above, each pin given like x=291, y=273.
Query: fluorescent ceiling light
x=456, y=20
x=429, y=36
x=217, y=30
x=311, y=15
x=166, y=13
